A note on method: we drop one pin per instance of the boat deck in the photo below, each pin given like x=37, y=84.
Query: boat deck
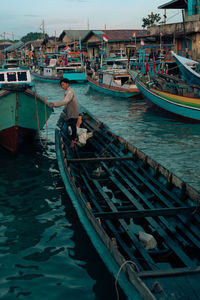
x=128, y=195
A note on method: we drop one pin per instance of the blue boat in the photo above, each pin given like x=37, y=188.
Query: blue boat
x=114, y=80
x=171, y=94
x=53, y=73
x=190, y=69
x=141, y=218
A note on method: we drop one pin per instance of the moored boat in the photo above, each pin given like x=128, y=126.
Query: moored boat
x=190, y=69
x=171, y=94
x=141, y=218
x=117, y=83
x=22, y=111
x=74, y=71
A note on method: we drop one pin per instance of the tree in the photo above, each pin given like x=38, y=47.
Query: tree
x=32, y=36
x=151, y=20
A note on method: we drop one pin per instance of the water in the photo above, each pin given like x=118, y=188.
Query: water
x=44, y=252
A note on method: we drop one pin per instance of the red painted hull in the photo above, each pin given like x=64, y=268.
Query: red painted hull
x=12, y=138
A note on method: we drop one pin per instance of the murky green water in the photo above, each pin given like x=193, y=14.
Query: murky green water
x=44, y=253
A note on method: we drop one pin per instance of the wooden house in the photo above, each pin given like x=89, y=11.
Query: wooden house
x=111, y=41
x=71, y=38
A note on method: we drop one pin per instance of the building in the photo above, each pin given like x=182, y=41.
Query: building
x=113, y=42
x=184, y=35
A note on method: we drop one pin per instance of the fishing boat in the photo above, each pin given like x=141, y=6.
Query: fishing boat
x=116, y=82
x=22, y=111
x=141, y=218
x=170, y=93
x=190, y=69
x=54, y=72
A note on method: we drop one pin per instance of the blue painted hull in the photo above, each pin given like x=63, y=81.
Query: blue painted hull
x=73, y=77
x=111, y=91
x=179, y=109
x=187, y=73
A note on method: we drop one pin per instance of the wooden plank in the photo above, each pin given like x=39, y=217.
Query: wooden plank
x=99, y=159
x=168, y=240
x=168, y=272
x=146, y=213
x=135, y=240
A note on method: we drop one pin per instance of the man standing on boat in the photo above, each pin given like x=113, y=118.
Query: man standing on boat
x=70, y=112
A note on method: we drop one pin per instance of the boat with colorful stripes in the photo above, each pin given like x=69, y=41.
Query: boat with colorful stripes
x=170, y=93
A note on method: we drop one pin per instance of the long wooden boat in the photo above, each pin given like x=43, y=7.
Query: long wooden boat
x=190, y=69
x=22, y=111
x=143, y=220
x=117, y=83
x=171, y=94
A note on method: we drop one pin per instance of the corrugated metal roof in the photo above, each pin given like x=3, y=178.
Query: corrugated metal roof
x=75, y=34
x=98, y=32
x=124, y=34
x=14, y=46
x=174, y=4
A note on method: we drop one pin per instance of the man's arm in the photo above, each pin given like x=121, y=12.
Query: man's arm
x=66, y=99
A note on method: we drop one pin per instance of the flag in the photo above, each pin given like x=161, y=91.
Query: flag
x=67, y=48
x=142, y=42
x=133, y=34
x=105, y=38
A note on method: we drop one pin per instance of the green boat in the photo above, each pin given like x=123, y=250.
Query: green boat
x=22, y=111
x=142, y=219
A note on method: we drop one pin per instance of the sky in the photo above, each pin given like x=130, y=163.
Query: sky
x=19, y=17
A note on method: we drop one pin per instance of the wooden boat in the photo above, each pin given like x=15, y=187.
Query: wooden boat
x=190, y=69
x=143, y=220
x=53, y=73
x=171, y=94
x=117, y=83
x=22, y=111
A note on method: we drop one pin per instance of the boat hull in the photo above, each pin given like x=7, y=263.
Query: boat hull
x=181, y=106
x=73, y=77
x=187, y=72
x=114, y=91
x=121, y=192
x=22, y=114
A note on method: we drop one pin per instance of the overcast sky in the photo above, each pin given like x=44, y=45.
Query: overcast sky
x=20, y=17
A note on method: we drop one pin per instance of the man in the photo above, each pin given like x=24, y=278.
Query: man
x=70, y=112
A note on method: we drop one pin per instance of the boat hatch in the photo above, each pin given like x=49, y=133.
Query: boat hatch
x=121, y=79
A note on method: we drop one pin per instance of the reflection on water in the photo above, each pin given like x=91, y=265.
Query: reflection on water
x=44, y=252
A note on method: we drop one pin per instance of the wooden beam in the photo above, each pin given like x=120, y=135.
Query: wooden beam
x=99, y=159
x=146, y=213
x=168, y=272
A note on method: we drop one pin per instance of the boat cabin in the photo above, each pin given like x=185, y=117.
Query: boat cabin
x=15, y=76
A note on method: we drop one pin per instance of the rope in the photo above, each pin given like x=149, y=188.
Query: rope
x=116, y=280
x=38, y=121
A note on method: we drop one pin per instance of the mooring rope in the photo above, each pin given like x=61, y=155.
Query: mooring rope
x=38, y=121
x=121, y=267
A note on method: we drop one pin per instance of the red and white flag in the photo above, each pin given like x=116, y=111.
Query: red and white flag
x=105, y=38
x=67, y=48
x=133, y=34
x=142, y=42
